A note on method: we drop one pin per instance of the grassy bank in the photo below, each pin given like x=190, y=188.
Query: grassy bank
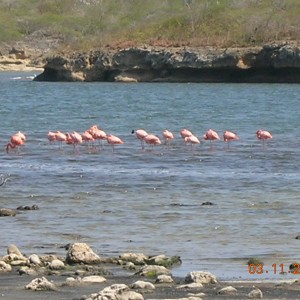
x=86, y=24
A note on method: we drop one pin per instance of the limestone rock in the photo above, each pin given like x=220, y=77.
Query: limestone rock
x=14, y=256
x=41, y=284
x=143, y=285
x=7, y=212
x=228, y=290
x=200, y=277
x=13, y=249
x=70, y=281
x=193, y=285
x=27, y=271
x=116, y=292
x=56, y=264
x=255, y=294
x=19, y=262
x=82, y=253
x=163, y=260
x=11, y=257
x=4, y=267
x=121, y=78
x=153, y=271
x=93, y=279
x=136, y=258
x=34, y=259
x=164, y=279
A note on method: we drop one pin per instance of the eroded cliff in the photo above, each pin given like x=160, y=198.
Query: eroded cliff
x=276, y=62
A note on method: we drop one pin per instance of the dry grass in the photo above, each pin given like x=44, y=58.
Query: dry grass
x=125, y=23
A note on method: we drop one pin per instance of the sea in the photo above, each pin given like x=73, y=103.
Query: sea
x=216, y=204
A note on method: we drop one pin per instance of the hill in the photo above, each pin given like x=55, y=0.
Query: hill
x=45, y=26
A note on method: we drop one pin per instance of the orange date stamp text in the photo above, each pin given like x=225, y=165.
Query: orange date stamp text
x=273, y=269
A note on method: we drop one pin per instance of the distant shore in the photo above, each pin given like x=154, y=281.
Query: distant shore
x=13, y=64
x=277, y=62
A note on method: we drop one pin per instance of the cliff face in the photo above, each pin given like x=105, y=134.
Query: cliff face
x=277, y=62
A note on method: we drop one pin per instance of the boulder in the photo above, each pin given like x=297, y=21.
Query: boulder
x=34, y=259
x=81, y=253
x=116, y=292
x=14, y=251
x=200, y=277
x=7, y=212
x=228, y=290
x=153, y=271
x=163, y=260
x=135, y=258
x=41, y=284
x=143, y=285
x=4, y=267
x=255, y=294
x=56, y=264
x=164, y=279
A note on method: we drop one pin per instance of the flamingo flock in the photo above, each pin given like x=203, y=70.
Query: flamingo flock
x=94, y=133
x=89, y=136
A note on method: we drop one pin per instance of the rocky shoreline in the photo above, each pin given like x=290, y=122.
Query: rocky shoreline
x=277, y=62
x=82, y=274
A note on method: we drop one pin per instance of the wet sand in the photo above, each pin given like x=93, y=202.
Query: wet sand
x=12, y=286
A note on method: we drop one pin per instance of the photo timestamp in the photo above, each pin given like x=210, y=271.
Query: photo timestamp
x=274, y=269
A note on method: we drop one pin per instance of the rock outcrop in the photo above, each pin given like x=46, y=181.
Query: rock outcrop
x=276, y=62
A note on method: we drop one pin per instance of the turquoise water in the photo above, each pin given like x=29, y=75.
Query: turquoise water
x=150, y=201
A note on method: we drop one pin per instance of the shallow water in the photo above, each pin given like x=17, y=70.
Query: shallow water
x=150, y=201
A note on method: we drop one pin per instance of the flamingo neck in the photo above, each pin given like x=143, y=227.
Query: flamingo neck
x=9, y=145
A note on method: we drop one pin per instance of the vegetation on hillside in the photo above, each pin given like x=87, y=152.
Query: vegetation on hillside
x=86, y=24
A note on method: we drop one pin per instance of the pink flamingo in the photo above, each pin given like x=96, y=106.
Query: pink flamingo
x=51, y=136
x=97, y=133
x=73, y=138
x=230, y=136
x=140, y=134
x=60, y=137
x=87, y=137
x=16, y=140
x=56, y=136
x=152, y=140
x=211, y=135
x=22, y=136
x=168, y=136
x=263, y=135
x=185, y=133
x=114, y=140
x=193, y=140
x=93, y=129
